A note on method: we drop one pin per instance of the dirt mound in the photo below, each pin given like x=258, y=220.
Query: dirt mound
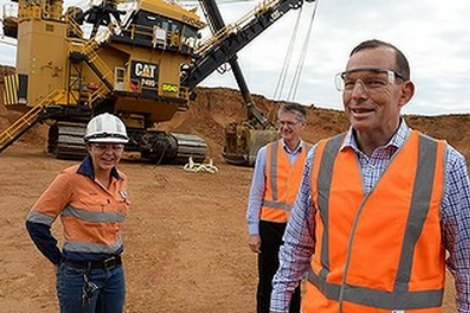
x=453, y=128
x=215, y=108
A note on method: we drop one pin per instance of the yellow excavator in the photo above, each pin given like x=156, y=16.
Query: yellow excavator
x=140, y=60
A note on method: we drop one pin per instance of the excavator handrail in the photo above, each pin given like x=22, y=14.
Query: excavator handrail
x=88, y=49
x=72, y=26
x=132, y=31
x=15, y=130
x=100, y=92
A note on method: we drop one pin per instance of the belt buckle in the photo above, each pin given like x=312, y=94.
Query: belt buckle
x=109, y=262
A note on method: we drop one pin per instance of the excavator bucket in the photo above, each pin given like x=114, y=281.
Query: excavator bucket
x=242, y=143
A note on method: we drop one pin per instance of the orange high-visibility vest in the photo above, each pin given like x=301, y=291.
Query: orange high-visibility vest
x=282, y=182
x=381, y=251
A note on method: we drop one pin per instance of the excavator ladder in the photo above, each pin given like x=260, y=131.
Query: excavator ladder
x=28, y=120
x=96, y=63
x=87, y=52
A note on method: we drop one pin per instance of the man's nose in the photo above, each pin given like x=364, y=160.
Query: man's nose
x=359, y=90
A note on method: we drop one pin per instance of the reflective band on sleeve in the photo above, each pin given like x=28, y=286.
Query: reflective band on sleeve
x=94, y=217
x=85, y=247
x=38, y=217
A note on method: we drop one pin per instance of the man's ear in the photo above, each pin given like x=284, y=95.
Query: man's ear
x=407, y=92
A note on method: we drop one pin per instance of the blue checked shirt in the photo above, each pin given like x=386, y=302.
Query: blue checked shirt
x=298, y=247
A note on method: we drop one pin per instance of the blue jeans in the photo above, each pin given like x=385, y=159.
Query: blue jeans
x=108, y=298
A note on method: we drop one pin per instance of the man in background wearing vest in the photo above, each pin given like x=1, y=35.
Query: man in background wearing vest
x=378, y=206
x=276, y=180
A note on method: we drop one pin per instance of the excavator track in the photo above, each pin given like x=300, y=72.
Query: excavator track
x=161, y=147
x=65, y=141
x=190, y=145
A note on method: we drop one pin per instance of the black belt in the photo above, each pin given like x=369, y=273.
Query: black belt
x=108, y=263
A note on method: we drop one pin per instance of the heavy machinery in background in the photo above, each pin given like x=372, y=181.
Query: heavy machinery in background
x=141, y=64
x=242, y=139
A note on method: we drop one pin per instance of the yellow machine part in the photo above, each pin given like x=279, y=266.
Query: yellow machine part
x=242, y=142
x=172, y=11
x=44, y=66
x=168, y=82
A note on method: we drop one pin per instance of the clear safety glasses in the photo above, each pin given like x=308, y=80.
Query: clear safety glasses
x=370, y=78
x=101, y=147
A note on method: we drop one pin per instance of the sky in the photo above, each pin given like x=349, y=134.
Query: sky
x=434, y=35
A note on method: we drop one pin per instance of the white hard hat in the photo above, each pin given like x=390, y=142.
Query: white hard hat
x=106, y=128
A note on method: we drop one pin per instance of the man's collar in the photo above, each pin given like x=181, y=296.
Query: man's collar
x=288, y=150
x=397, y=140
x=86, y=168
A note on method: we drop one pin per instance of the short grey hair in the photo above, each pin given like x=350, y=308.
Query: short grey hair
x=294, y=108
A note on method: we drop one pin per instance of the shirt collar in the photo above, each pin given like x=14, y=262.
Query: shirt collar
x=86, y=168
x=296, y=150
x=397, y=140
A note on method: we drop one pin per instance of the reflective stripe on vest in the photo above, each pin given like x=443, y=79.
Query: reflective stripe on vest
x=377, y=298
x=279, y=199
x=277, y=205
x=426, y=188
x=324, y=184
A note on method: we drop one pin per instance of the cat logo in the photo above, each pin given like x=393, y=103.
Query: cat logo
x=145, y=70
x=145, y=74
x=170, y=88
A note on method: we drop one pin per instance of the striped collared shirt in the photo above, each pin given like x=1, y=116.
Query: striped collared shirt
x=298, y=246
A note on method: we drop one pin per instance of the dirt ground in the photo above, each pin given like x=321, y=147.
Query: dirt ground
x=185, y=238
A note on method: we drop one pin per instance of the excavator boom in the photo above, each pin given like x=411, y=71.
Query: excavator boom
x=226, y=43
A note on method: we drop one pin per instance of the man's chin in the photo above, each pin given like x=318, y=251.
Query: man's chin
x=107, y=165
x=286, y=136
